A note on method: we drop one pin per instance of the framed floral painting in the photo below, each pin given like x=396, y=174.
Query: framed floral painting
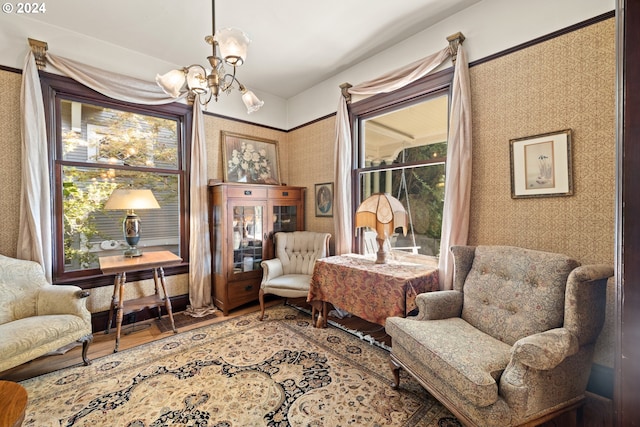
x=541, y=165
x=250, y=159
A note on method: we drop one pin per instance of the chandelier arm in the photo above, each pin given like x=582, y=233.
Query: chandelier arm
x=229, y=85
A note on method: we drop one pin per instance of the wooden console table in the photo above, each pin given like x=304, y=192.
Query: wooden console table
x=120, y=266
x=371, y=291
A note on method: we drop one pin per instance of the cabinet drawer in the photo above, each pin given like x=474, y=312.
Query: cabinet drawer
x=240, y=292
x=284, y=193
x=254, y=193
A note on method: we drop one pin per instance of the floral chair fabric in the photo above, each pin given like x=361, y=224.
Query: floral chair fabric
x=513, y=341
x=37, y=318
x=289, y=273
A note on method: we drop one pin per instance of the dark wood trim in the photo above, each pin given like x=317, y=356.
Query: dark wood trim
x=627, y=387
x=10, y=69
x=319, y=119
x=53, y=86
x=99, y=320
x=544, y=38
x=246, y=122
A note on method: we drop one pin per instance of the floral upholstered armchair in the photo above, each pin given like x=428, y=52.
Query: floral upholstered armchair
x=512, y=343
x=37, y=318
x=289, y=273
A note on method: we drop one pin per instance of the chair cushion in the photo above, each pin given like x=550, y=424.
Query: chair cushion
x=465, y=358
x=298, y=282
x=511, y=293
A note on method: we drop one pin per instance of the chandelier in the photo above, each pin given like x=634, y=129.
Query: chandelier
x=204, y=84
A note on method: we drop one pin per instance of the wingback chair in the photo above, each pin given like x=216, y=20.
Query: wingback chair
x=512, y=343
x=289, y=273
x=37, y=318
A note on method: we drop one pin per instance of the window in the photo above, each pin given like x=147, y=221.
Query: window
x=401, y=150
x=102, y=144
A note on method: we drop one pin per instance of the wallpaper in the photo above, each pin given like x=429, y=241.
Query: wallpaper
x=10, y=170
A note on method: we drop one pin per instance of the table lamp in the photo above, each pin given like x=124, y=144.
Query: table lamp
x=383, y=213
x=129, y=199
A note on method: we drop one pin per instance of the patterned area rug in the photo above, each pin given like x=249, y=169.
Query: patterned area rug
x=241, y=372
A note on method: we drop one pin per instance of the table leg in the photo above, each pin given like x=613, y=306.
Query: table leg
x=116, y=284
x=120, y=312
x=167, y=301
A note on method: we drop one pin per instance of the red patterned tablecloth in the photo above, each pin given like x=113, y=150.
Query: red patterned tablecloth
x=371, y=291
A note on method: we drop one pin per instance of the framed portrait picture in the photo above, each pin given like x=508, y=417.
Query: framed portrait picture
x=324, y=199
x=541, y=165
x=250, y=159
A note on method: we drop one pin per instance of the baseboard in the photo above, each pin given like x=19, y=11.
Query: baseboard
x=99, y=320
x=601, y=381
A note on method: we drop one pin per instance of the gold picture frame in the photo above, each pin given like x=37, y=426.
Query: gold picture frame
x=250, y=159
x=541, y=165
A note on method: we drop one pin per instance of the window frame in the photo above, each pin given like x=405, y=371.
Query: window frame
x=55, y=88
x=430, y=86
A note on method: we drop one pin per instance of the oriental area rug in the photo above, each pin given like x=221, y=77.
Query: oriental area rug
x=240, y=372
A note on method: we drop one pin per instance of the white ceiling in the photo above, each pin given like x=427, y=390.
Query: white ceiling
x=296, y=44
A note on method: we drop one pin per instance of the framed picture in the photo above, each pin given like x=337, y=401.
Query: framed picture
x=324, y=199
x=250, y=159
x=541, y=165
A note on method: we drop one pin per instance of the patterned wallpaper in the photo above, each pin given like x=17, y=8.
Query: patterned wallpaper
x=10, y=169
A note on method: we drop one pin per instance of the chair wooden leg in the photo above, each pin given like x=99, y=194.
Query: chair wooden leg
x=395, y=370
x=86, y=340
x=261, y=298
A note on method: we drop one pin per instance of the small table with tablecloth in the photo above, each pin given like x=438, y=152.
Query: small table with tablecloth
x=371, y=291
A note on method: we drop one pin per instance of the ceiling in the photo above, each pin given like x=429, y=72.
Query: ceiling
x=295, y=44
x=420, y=124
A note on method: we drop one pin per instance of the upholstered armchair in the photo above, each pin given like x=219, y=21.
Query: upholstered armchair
x=289, y=273
x=512, y=343
x=37, y=318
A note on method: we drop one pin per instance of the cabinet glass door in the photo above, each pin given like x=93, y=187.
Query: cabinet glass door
x=285, y=218
x=246, y=237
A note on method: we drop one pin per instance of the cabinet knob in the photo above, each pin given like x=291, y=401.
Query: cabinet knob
x=248, y=288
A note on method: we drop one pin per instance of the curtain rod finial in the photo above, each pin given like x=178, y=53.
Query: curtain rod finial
x=39, y=49
x=455, y=40
x=345, y=91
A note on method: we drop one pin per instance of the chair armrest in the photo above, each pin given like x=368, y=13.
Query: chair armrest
x=271, y=268
x=545, y=350
x=585, y=301
x=67, y=299
x=439, y=305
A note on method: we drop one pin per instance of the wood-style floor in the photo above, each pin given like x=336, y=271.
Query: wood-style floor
x=598, y=412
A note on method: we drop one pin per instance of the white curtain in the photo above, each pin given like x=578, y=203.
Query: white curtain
x=387, y=83
x=34, y=233
x=457, y=197
x=35, y=210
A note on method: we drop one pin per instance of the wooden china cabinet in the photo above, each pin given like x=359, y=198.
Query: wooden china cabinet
x=243, y=219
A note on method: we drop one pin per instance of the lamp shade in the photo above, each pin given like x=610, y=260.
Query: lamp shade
x=251, y=101
x=130, y=199
x=233, y=44
x=383, y=213
x=172, y=82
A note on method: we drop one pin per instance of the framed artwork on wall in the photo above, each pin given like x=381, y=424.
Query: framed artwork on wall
x=249, y=159
x=541, y=165
x=324, y=199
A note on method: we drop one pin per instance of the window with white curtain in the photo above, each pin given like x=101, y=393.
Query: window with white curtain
x=401, y=149
x=98, y=144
